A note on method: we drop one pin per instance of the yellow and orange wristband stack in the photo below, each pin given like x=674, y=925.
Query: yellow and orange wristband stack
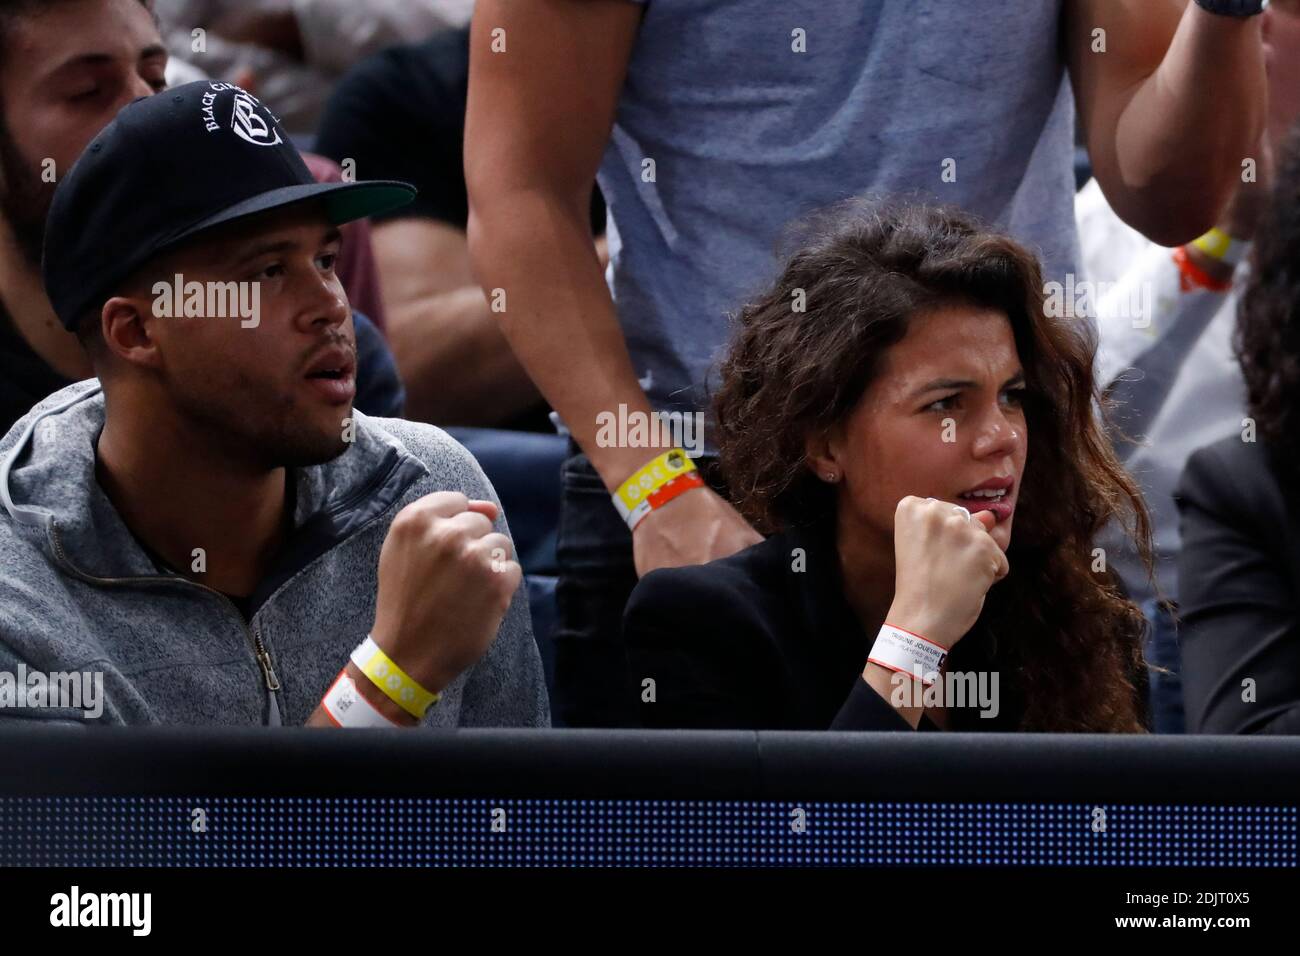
x=655, y=484
x=1216, y=244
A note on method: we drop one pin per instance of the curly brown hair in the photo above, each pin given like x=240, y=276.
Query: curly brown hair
x=1267, y=340
x=1065, y=639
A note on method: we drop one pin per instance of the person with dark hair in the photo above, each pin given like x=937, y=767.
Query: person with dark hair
x=66, y=68
x=919, y=437
x=1239, y=566
x=212, y=528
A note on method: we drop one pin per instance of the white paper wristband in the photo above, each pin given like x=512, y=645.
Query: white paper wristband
x=348, y=707
x=898, y=650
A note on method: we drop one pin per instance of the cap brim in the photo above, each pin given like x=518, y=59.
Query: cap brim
x=344, y=202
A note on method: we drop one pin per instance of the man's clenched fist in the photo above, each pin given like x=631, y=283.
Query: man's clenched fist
x=445, y=582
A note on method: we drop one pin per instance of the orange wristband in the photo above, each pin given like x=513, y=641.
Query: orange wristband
x=677, y=486
x=1192, y=276
x=655, y=484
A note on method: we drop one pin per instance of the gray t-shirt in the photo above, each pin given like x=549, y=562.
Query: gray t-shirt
x=747, y=134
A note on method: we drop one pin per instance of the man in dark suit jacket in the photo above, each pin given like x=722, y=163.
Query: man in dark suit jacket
x=1239, y=569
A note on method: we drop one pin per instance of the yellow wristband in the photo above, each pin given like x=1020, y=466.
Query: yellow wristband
x=634, y=498
x=392, y=680
x=1217, y=244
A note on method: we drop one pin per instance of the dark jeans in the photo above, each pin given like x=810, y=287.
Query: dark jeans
x=596, y=577
x=1166, y=691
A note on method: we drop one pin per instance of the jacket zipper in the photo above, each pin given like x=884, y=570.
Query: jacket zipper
x=255, y=638
x=263, y=658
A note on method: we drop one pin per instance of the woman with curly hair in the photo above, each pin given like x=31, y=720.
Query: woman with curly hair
x=916, y=431
x=1239, y=567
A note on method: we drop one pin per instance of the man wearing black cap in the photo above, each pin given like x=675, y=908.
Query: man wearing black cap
x=66, y=68
x=217, y=531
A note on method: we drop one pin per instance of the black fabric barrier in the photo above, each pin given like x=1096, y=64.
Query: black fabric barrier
x=701, y=765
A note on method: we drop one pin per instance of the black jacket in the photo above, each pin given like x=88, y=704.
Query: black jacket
x=25, y=378
x=1238, y=581
x=753, y=642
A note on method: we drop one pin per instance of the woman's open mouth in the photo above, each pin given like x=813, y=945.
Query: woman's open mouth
x=995, y=495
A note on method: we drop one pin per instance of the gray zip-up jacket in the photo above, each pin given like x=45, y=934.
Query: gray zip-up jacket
x=79, y=594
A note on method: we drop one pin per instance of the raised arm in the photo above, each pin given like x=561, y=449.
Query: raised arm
x=1171, y=107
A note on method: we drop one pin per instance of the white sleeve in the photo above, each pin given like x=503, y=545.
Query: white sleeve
x=1133, y=311
x=1131, y=288
x=1107, y=244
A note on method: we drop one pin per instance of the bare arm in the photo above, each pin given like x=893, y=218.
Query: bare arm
x=457, y=366
x=538, y=120
x=540, y=115
x=1170, y=109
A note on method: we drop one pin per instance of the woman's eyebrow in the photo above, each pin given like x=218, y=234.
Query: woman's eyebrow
x=960, y=383
x=944, y=383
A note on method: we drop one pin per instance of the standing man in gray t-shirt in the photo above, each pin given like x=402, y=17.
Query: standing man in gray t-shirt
x=712, y=126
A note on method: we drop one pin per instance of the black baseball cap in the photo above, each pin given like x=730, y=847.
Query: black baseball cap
x=169, y=167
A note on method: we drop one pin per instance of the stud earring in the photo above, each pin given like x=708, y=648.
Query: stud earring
x=831, y=476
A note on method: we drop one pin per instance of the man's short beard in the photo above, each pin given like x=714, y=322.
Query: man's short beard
x=298, y=451
x=24, y=198
x=272, y=439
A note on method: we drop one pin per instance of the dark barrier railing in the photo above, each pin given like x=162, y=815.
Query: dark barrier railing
x=650, y=764
x=311, y=798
